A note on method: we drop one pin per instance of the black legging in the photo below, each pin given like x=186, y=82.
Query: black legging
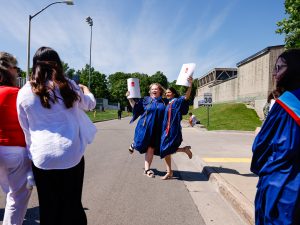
x=59, y=193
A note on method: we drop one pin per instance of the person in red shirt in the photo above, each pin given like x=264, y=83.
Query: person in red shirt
x=14, y=161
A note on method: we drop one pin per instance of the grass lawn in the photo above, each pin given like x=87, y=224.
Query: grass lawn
x=235, y=116
x=106, y=115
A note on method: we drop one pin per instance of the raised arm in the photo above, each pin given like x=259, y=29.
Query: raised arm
x=88, y=101
x=189, y=90
x=131, y=101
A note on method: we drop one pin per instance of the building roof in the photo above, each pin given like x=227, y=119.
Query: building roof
x=256, y=55
x=216, y=69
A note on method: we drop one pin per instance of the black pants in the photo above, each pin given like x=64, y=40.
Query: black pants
x=59, y=193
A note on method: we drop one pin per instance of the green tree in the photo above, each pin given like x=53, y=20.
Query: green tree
x=144, y=83
x=99, y=85
x=22, y=73
x=291, y=26
x=98, y=82
x=182, y=89
x=69, y=72
x=159, y=77
x=117, y=84
x=178, y=88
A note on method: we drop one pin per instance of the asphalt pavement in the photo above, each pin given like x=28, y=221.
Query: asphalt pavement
x=214, y=188
x=225, y=157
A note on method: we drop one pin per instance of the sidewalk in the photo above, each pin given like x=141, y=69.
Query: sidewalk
x=225, y=156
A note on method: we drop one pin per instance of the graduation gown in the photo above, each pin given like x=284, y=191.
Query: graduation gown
x=171, y=131
x=276, y=160
x=148, y=129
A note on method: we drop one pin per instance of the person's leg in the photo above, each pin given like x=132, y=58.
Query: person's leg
x=148, y=161
x=48, y=189
x=72, y=210
x=169, y=173
x=13, y=181
x=186, y=150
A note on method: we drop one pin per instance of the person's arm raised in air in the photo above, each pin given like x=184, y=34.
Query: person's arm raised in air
x=131, y=101
x=87, y=99
x=189, y=90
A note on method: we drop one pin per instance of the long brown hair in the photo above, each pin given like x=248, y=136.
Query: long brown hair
x=47, y=67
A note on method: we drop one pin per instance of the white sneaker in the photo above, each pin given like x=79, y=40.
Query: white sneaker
x=30, y=182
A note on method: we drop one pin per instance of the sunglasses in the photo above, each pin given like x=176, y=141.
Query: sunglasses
x=278, y=67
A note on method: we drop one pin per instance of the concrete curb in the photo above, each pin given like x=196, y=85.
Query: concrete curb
x=239, y=202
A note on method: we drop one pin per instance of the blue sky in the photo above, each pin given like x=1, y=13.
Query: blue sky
x=144, y=35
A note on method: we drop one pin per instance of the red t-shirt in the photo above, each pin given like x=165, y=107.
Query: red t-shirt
x=11, y=133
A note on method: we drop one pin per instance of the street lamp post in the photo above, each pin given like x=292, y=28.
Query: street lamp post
x=68, y=2
x=89, y=20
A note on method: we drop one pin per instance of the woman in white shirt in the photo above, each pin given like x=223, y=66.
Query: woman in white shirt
x=48, y=109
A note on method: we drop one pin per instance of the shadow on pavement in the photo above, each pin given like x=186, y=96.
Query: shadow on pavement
x=183, y=175
x=214, y=169
x=31, y=217
x=203, y=175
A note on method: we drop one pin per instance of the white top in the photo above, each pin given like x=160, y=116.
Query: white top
x=194, y=119
x=52, y=135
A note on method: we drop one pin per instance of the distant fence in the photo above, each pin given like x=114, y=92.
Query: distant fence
x=102, y=104
x=21, y=81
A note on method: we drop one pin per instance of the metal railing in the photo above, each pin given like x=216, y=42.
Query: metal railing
x=21, y=81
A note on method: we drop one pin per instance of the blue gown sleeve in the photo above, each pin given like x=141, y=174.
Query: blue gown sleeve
x=137, y=110
x=184, y=105
x=277, y=144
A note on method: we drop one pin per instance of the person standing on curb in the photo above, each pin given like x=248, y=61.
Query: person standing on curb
x=14, y=161
x=276, y=149
x=171, y=135
x=56, y=133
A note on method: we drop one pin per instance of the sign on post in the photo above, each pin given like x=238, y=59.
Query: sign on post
x=207, y=99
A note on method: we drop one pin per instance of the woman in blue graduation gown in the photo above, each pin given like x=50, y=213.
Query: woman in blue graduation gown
x=276, y=149
x=171, y=129
x=147, y=134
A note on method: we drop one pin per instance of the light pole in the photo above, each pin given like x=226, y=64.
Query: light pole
x=89, y=20
x=68, y=2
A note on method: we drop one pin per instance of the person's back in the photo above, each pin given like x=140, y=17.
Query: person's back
x=192, y=120
x=52, y=130
x=14, y=162
x=11, y=133
x=57, y=131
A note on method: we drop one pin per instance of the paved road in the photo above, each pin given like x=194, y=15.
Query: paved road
x=115, y=191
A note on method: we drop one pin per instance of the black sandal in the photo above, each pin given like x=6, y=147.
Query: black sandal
x=131, y=149
x=149, y=173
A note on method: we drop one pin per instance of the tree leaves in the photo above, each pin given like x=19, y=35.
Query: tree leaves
x=291, y=26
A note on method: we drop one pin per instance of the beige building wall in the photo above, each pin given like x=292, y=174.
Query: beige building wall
x=253, y=79
x=253, y=83
x=200, y=94
x=225, y=91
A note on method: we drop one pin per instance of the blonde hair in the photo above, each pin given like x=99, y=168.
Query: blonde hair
x=160, y=87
